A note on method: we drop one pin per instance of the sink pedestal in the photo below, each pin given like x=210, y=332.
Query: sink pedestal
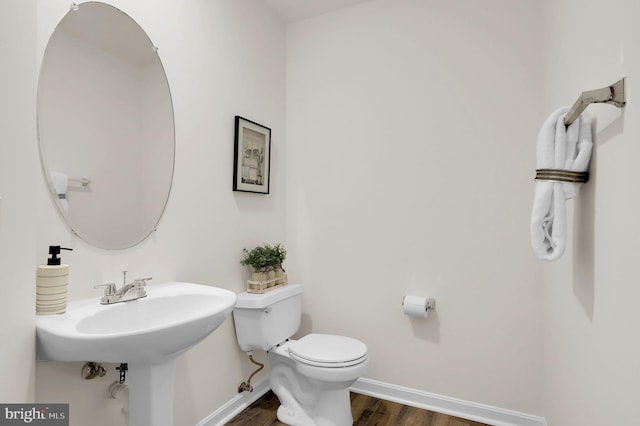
x=151, y=393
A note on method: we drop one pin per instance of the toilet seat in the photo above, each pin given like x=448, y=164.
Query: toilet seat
x=328, y=351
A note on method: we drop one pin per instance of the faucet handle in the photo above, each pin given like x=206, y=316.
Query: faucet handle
x=141, y=282
x=110, y=288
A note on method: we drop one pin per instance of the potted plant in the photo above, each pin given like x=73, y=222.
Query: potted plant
x=266, y=261
x=279, y=254
x=259, y=259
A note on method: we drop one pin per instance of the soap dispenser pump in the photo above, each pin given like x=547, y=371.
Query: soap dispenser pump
x=52, y=281
x=54, y=251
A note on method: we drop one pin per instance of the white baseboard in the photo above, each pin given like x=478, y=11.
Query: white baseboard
x=238, y=403
x=415, y=398
x=442, y=404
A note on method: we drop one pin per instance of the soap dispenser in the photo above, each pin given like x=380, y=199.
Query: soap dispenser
x=52, y=280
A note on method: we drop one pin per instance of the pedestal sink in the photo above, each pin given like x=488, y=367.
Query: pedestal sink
x=147, y=333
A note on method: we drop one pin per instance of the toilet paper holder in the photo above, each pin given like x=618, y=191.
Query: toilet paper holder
x=431, y=303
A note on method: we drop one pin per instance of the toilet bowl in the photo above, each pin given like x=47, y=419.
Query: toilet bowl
x=310, y=376
x=313, y=392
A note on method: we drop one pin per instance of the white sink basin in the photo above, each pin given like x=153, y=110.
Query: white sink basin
x=172, y=318
x=147, y=333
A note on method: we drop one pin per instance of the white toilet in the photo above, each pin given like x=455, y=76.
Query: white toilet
x=310, y=376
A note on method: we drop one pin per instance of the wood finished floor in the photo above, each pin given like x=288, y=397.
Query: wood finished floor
x=367, y=411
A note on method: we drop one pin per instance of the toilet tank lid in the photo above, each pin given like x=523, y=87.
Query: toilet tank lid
x=260, y=301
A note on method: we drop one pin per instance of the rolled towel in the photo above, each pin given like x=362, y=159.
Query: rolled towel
x=60, y=182
x=563, y=148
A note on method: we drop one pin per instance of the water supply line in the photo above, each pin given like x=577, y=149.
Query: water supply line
x=246, y=386
x=120, y=392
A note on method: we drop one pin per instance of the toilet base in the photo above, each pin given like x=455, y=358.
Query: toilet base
x=333, y=408
x=307, y=401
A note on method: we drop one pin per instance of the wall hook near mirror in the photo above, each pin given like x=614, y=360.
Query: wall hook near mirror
x=84, y=182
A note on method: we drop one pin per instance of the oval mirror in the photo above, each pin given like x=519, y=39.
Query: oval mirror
x=105, y=126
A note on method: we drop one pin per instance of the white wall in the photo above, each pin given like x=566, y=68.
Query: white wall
x=411, y=140
x=18, y=167
x=222, y=58
x=410, y=154
x=591, y=358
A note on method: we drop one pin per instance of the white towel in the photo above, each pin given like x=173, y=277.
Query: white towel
x=60, y=182
x=558, y=148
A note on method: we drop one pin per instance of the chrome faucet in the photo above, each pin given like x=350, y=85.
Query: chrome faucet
x=132, y=291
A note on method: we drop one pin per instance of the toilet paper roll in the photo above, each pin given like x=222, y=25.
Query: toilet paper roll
x=415, y=306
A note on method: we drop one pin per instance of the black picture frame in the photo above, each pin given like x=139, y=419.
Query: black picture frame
x=252, y=157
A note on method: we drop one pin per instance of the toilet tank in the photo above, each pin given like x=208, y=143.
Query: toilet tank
x=264, y=320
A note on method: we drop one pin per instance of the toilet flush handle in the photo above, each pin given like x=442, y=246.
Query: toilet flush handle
x=267, y=310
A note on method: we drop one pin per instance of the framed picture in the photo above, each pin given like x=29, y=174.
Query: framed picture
x=252, y=155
